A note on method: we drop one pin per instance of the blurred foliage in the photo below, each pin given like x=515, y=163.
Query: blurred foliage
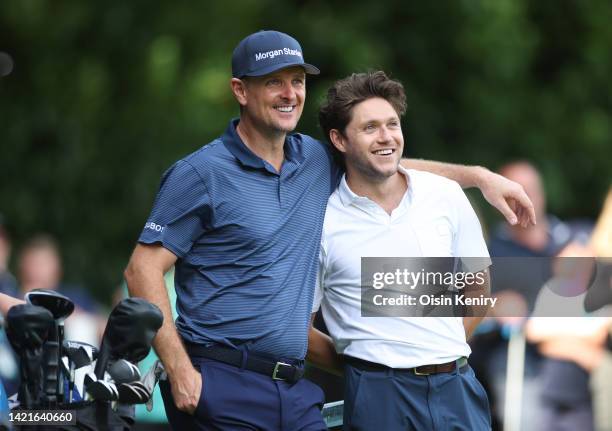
x=105, y=95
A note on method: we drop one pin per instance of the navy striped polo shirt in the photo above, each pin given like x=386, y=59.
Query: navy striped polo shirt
x=247, y=240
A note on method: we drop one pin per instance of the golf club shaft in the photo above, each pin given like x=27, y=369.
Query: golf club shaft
x=71, y=382
x=103, y=358
x=60, y=374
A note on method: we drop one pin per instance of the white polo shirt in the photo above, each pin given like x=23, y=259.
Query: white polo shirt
x=434, y=219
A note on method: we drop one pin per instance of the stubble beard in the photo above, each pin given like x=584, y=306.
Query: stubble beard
x=275, y=127
x=366, y=169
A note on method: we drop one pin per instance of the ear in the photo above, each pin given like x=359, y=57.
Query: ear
x=338, y=139
x=239, y=90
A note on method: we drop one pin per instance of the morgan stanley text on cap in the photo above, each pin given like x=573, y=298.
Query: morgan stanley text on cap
x=268, y=51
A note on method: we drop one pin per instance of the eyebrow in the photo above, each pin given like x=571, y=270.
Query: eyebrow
x=372, y=120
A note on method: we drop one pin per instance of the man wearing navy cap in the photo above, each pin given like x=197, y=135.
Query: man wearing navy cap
x=241, y=219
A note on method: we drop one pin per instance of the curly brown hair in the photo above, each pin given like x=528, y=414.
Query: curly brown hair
x=336, y=110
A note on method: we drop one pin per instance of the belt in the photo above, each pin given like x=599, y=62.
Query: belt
x=423, y=370
x=256, y=362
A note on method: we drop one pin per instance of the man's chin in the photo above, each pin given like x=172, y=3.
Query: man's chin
x=389, y=173
x=379, y=175
x=388, y=169
x=286, y=127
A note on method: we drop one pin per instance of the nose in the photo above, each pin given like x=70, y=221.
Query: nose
x=384, y=136
x=288, y=92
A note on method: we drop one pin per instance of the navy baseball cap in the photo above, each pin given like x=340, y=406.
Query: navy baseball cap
x=266, y=52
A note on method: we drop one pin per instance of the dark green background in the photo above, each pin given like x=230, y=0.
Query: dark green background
x=105, y=95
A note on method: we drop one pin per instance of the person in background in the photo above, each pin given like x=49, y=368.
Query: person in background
x=9, y=365
x=9, y=371
x=575, y=342
x=547, y=382
x=8, y=283
x=6, y=302
x=601, y=378
x=40, y=267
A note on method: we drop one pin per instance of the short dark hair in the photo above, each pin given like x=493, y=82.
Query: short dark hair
x=41, y=241
x=336, y=110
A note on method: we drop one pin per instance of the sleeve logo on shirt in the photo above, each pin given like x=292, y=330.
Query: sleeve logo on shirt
x=154, y=226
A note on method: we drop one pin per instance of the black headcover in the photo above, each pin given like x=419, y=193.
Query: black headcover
x=131, y=327
x=27, y=326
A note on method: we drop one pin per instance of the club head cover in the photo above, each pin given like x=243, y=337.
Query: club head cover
x=61, y=307
x=129, y=331
x=27, y=329
x=131, y=327
x=28, y=326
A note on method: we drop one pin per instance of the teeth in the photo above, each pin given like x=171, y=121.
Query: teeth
x=383, y=152
x=284, y=108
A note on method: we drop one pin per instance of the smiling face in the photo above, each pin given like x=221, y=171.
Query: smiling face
x=273, y=103
x=372, y=142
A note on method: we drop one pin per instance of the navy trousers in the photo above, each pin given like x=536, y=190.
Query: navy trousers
x=395, y=400
x=237, y=399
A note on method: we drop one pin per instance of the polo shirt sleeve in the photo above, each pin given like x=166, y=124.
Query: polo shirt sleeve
x=319, y=286
x=180, y=212
x=468, y=242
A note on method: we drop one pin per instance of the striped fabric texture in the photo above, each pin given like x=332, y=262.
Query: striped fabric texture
x=247, y=240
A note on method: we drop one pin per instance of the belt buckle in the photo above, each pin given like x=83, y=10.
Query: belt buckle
x=418, y=373
x=277, y=368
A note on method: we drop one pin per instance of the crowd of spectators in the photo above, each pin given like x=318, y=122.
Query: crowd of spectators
x=562, y=352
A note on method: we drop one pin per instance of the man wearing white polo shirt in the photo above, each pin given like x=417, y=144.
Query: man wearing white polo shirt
x=401, y=373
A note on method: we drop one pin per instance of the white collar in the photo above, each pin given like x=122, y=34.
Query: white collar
x=348, y=197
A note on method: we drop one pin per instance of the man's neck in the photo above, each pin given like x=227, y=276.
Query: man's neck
x=387, y=193
x=268, y=146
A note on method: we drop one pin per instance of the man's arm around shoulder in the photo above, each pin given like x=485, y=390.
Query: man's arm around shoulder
x=145, y=279
x=507, y=196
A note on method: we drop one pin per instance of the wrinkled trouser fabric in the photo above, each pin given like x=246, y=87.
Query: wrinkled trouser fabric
x=400, y=400
x=239, y=399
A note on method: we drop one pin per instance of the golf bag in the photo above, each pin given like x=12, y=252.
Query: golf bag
x=107, y=397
